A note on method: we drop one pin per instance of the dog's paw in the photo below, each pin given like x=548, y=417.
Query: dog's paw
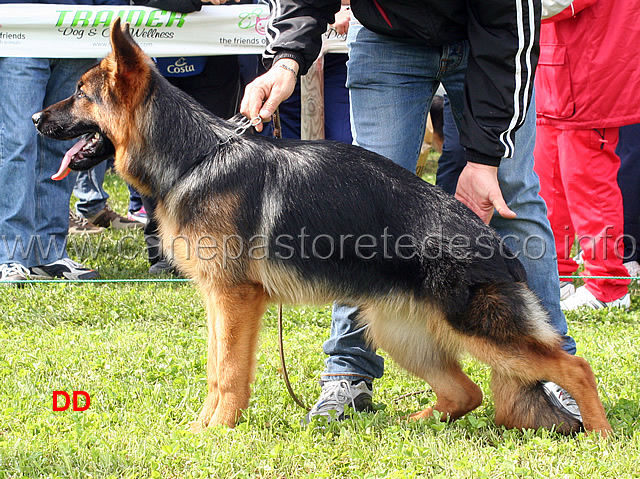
x=197, y=426
x=418, y=416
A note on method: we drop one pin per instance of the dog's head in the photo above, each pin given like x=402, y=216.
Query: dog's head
x=100, y=110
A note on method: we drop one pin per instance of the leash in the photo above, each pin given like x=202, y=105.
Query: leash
x=283, y=363
x=277, y=133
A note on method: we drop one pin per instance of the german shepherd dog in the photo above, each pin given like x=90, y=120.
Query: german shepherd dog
x=255, y=220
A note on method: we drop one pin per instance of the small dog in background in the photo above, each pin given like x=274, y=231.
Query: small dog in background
x=255, y=220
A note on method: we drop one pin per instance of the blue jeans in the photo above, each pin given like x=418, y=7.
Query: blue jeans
x=34, y=210
x=135, y=199
x=452, y=160
x=92, y=198
x=391, y=83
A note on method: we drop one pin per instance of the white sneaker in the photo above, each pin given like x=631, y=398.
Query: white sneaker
x=337, y=394
x=579, y=258
x=10, y=272
x=583, y=298
x=562, y=399
x=566, y=289
x=633, y=267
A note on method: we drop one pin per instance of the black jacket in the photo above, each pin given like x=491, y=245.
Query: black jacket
x=503, y=35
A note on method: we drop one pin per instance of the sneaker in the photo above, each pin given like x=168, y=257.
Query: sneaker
x=79, y=225
x=633, y=267
x=583, y=298
x=336, y=395
x=10, y=272
x=63, y=268
x=140, y=216
x=566, y=289
x=163, y=267
x=562, y=399
x=579, y=258
x=107, y=218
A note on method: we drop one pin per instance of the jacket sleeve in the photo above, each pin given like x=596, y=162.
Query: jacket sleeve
x=504, y=47
x=295, y=30
x=182, y=6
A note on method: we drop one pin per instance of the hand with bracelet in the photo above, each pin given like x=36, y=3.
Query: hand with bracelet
x=263, y=95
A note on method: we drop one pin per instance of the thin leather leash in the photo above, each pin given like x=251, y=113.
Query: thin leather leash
x=277, y=133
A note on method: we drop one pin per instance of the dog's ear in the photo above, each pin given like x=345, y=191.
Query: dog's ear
x=128, y=63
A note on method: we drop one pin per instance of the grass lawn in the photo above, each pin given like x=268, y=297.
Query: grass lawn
x=139, y=350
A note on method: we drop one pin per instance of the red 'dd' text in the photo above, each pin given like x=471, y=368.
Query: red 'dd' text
x=71, y=400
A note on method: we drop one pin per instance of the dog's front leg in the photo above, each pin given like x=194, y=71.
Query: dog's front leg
x=238, y=313
x=211, y=401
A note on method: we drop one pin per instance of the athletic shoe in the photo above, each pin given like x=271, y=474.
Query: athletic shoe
x=562, y=399
x=633, y=267
x=63, y=268
x=107, y=218
x=140, y=216
x=579, y=258
x=566, y=289
x=336, y=395
x=12, y=272
x=583, y=298
x=79, y=225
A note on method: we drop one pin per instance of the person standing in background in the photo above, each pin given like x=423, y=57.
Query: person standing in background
x=588, y=85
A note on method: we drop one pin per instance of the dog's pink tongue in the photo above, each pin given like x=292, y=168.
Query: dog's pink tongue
x=64, y=169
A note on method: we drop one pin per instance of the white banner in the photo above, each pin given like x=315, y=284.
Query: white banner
x=82, y=31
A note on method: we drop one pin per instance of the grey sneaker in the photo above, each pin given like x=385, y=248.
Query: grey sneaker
x=337, y=394
x=562, y=399
x=10, y=272
x=63, y=268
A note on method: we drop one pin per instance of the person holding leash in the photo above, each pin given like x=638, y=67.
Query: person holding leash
x=485, y=55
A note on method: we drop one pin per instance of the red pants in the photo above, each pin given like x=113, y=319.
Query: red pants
x=578, y=180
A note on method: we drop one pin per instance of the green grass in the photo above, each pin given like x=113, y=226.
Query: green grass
x=139, y=350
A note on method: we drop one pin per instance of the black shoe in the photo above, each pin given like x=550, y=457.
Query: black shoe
x=63, y=268
x=163, y=267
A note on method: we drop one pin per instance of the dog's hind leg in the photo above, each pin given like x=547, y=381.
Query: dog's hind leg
x=418, y=341
x=520, y=400
x=575, y=375
x=456, y=394
x=505, y=327
x=237, y=317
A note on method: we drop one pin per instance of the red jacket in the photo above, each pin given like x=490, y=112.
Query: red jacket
x=588, y=73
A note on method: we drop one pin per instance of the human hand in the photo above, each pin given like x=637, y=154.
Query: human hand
x=343, y=17
x=263, y=95
x=478, y=188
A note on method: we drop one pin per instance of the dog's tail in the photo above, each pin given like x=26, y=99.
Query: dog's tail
x=529, y=406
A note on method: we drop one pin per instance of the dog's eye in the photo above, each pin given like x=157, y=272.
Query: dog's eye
x=80, y=93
